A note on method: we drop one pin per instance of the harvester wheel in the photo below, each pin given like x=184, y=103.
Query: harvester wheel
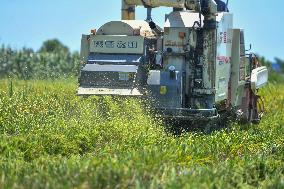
x=252, y=109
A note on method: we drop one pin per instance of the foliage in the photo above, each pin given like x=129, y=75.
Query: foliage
x=52, y=61
x=53, y=46
x=281, y=64
x=50, y=138
x=275, y=77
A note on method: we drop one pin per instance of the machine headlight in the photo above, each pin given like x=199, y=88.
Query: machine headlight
x=172, y=68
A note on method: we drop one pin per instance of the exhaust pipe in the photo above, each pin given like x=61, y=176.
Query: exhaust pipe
x=127, y=11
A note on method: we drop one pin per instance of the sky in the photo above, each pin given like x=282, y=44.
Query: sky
x=30, y=22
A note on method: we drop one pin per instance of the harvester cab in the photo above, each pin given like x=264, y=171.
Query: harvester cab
x=194, y=67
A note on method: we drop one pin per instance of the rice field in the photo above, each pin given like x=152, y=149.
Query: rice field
x=50, y=138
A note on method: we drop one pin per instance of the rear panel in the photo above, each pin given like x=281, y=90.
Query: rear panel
x=117, y=44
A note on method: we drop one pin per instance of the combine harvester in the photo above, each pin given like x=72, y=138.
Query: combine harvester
x=194, y=68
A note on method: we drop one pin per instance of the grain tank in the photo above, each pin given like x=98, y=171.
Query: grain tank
x=195, y=66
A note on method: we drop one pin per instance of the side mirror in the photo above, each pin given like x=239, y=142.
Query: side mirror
x=249, y=48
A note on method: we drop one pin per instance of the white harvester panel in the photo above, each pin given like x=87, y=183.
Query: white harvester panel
x=259, y=78
x=223, y=58
x=117, y=44
x=127, y=28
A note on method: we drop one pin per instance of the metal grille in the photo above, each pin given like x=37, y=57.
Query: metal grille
x=106, y=79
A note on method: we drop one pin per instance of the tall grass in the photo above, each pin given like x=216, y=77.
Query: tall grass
x=50, y=138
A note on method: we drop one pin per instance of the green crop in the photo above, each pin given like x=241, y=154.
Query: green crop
x=50, y=138
x=27, y=64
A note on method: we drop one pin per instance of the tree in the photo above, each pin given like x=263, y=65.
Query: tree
x=53, y=46
x=265, y=62
x=280, y=63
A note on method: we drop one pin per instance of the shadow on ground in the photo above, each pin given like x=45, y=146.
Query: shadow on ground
x=179, y=127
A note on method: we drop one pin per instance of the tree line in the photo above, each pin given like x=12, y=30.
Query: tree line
x=54, y=60
x=275, y=75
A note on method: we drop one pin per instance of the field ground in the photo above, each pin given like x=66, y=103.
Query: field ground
x=50, y=138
